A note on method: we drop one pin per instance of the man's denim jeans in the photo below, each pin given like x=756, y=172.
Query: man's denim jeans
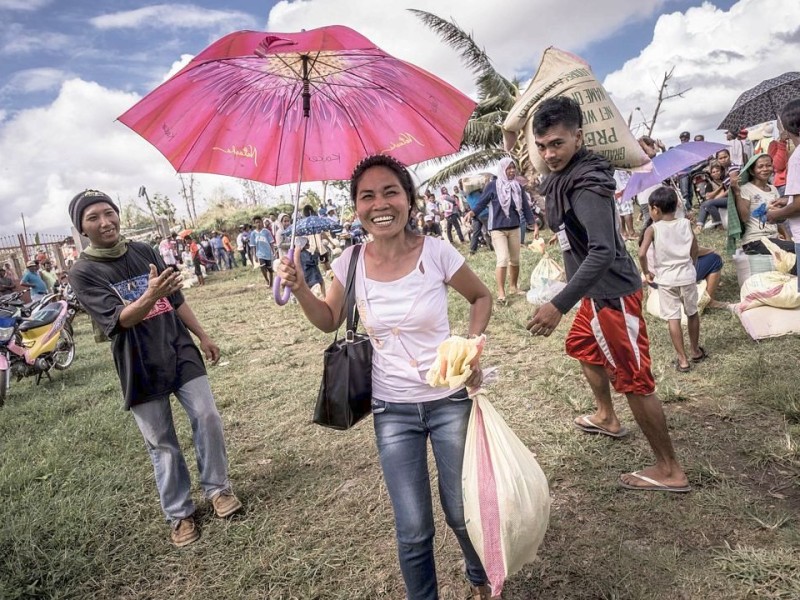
x=402, y=431
x=154, y=419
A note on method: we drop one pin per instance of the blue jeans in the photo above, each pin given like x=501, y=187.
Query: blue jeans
x=402, y=431
x=154, y=419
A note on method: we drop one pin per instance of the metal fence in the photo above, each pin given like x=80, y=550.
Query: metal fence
x=18, y=249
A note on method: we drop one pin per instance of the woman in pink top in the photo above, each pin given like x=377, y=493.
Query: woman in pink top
x=401, y=287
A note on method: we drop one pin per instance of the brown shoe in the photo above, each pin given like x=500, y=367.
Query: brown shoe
x=184, y=533
x=225, y=504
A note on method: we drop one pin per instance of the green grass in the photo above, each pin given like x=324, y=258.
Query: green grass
x=80, y=515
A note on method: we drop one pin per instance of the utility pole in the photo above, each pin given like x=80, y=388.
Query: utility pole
x=143, y=193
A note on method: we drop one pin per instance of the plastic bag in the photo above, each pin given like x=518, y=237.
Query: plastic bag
x=547, y=280
x=605, y=131
x=784, y=261
x=455, y=358
x=537, y=245
x=769, y=289
x=506, y=496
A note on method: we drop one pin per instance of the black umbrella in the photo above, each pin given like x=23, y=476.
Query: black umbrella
x=763, y=102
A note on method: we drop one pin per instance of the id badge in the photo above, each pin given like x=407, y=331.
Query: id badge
x=563, y=241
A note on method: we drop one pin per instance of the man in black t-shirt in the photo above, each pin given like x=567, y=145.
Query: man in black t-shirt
x=136, y=300
x=608, y=335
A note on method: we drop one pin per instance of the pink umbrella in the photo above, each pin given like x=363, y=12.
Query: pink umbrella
x=283, y=107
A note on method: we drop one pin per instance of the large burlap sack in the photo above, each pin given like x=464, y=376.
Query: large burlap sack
x=604, y=130
x=764, y=322
x=472, y=183
x=784, y=261
x=769, y=289
x=506, y=496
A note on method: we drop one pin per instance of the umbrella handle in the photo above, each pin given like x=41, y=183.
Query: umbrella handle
x=282, y=295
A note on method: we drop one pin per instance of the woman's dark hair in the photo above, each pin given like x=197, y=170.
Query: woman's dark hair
x=665, y=199
x=557, y=111
x=388, y=162
x=790, y=117
x=723, y=151
x=308, y=210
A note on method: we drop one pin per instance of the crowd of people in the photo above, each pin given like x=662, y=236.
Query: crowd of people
x=133, y=291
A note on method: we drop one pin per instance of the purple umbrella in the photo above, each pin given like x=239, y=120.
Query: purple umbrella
x=669, y=163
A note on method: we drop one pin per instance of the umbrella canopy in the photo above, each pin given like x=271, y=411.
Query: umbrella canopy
x=669, y=163
x=184, y=233
x=261, y=106
x=763, y=102
x=313, y=225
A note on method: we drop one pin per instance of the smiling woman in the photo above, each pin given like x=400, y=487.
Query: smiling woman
x=401, y=281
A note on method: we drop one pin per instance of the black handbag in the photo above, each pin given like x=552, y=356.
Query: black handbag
x=345, y=394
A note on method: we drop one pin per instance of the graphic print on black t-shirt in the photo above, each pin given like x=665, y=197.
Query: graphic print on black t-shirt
x=131, y=290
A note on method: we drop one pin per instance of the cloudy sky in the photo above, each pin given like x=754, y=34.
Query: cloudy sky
x=68, y=69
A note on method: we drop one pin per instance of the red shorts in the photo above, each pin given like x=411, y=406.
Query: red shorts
x=612, y=333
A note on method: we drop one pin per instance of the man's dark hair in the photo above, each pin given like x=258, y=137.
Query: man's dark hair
x=259, y=217
x=308, y=211
x=665, y=199
x=790, y=117
x=685, y=135
x=557, y=111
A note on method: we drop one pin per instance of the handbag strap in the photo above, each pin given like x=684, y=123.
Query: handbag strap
x=350, y=294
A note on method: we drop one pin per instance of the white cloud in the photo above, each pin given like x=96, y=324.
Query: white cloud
x=17, y=40
x=51, y=153
x=514, y=33
x=177, y=16
x=35, y=80
x=24, y=5
x=718, y=54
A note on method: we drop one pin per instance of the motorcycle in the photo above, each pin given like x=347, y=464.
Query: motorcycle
x=34, y=345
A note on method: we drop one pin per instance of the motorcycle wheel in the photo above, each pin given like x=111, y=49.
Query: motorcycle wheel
x=64, y=353
x=3, y=385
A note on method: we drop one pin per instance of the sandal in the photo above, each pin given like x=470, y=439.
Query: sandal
x=680, y=368
x=502, y=301
x=702, y=357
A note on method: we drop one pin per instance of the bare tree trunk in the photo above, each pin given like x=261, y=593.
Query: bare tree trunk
x=186, y=200
x=191, y=198
x=662, y=97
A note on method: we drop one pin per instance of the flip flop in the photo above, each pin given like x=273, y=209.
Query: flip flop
x=587, y=426
x=502, y=301
x=652, y=485
x=680, y=368
x=702, y=357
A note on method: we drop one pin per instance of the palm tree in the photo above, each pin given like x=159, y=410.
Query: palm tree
x=483, y=135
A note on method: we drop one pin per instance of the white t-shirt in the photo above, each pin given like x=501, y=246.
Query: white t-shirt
x=406, y=320
x=432, y=208
x=793, y=189
x=672, y=262
x=753, y=229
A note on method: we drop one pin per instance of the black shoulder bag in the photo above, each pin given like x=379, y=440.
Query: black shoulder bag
x=345, y=395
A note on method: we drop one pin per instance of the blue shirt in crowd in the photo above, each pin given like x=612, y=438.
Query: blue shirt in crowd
x=262, y=241
x=31, y=278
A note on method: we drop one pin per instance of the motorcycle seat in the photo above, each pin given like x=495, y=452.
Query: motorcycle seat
x=43, y=318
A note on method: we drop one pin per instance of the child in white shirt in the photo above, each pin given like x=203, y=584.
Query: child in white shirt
x=673, y=271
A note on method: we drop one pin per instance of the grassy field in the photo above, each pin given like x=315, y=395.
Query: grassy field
x=80, y=514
